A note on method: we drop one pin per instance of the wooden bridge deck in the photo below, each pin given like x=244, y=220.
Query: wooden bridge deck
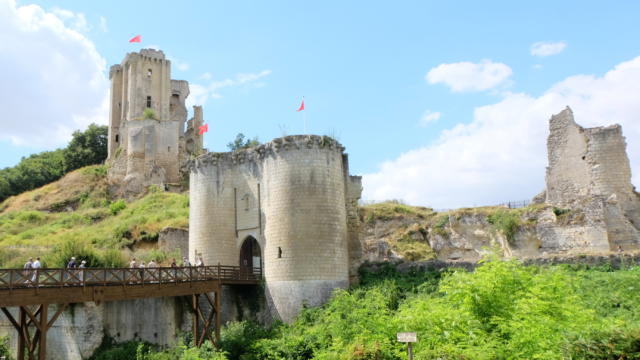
x=43, y=287
x=52, y=286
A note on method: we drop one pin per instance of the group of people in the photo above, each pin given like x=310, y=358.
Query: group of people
x=31, y=265
x=133, y=264
x=72, y=264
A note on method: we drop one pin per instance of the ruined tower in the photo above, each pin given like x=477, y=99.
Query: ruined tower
x=589, y=170
x=283, y=206
x=147, y=123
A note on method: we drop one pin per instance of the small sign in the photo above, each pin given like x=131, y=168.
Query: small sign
x=407, y=337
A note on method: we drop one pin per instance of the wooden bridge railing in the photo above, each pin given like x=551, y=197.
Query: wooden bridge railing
x=47, y=278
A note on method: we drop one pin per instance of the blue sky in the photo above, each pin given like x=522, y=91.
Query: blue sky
x=362, y=67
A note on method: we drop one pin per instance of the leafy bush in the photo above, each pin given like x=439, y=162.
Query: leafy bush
x=109, y=350
x=117, y=206
x=508, y=222
x=608, y=344
x=237, y=337
x=4, y=348
x=149, y=114
x=560, y=212
x=241, y=143
x=181, y=352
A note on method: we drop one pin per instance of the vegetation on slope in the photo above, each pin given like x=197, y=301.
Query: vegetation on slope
x=76, y=217
x=86, y=148
x=503, y=310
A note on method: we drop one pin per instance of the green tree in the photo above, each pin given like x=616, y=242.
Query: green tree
x=86, y=148
x=241, y=143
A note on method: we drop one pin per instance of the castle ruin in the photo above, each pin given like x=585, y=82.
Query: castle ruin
x=589, y=170
x=149, y=135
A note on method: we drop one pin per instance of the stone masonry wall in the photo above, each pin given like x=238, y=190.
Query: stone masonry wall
x=291, y=196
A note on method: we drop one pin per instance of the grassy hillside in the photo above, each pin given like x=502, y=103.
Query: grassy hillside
x=75, y=216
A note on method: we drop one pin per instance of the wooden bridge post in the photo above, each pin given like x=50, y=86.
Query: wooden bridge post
x=43, y=326
x=22, y=333
x=196, y=317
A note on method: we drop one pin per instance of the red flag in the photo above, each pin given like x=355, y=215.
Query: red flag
x=136, y=38
x=301, y=106
x=203, y=129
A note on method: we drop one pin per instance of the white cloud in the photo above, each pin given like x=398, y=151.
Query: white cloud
x=212, y=90
x=547, y=48
x=468, y=76
x=103, y=24
x=429, y=117
x=501, y=154
x=76, y=21
x=53, y=79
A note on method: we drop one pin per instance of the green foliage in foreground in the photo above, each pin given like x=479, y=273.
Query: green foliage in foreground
x=503, y=310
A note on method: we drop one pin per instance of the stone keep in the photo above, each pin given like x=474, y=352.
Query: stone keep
x=151, y=149
x=589, y=170
x=283, y=206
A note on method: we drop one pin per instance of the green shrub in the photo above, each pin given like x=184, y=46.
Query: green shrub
x=508, y=222
x=5, y=351
x=148, y=113
x=63, y=252
x=237, y=337
x=560, y=212
x=117, y=206
x=112, y=258
x=604, y=345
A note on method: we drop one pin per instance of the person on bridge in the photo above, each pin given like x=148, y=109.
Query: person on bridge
x=72, y=263
x=27, y=269
x=83, y=265
x=173, y=263
x=185, y=262
x=132, y=265
x=36, y=265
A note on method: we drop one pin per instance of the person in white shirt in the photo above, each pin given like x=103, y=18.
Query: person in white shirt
x=83, y=265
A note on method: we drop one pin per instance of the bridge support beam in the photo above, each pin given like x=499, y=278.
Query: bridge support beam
x=206, y=327
x=32, y=347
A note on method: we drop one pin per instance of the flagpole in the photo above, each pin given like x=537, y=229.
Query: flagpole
x=304, y=117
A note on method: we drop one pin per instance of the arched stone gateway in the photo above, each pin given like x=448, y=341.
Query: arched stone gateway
x=250, y=255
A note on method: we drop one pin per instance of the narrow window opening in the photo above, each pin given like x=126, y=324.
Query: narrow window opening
x=117, y=138
x=279, y=252
x=148, y=101
x=149, y=73
x=168, y=148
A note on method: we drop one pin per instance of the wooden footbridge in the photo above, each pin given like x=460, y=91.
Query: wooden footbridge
x=32, y=291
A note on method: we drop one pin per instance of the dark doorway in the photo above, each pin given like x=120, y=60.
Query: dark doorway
x=250, y=255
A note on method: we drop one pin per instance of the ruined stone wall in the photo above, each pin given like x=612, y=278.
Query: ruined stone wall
x=589, y=170
x=291, y=196
x=82, y=327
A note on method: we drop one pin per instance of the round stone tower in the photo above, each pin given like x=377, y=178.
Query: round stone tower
x=281, y=206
